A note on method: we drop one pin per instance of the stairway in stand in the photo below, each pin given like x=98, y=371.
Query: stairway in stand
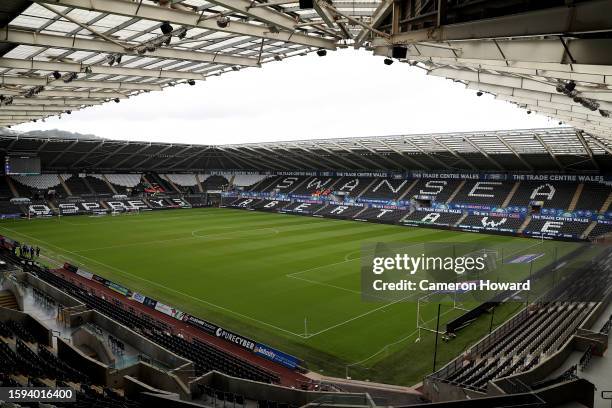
x=7, y=300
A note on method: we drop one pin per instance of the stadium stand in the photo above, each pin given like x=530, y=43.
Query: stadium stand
x=557, y=227
x=214, y=182
x=315, y=185
x=593, y=196
x=205, y=356
x=98, y=186
x=550, y=194
x=388, y=189
x=532, y=336
x=483, y=193
x=435, y=218
x=299, y=207
x=340, y=211
x=384, y=215
x=270, y=205
x=78, y=186
x=601, y=229
x=121, y=182
x=438, y=190
x=247, y=180
x=353, y=186
x=492, y=222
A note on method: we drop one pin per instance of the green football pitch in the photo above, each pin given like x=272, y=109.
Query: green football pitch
x=292, y=282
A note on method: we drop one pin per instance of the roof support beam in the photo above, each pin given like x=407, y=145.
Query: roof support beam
x=125, y=159
x=265, y=14
x=381, y=12
x=116, y=86
x=454, y=153
x=49, y=104
x=191, y=19
x=86, y=155
x=579, y=18
x=376, y=165
x=548, y=150
x=406, y=156
x=60, y=155
x=588, y=150
x=77, y=43
x=95, y=69
x=485, y=154
x=585, y=51
x=432, y=157
x=68, y=94
x=513, y=150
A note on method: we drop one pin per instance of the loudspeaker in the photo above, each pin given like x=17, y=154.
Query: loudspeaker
x=399, y=52
x=306, y=4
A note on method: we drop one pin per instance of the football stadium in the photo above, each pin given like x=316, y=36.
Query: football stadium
x=422, y=269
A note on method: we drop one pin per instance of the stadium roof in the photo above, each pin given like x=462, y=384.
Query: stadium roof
x=552, y=57
x=559, y=149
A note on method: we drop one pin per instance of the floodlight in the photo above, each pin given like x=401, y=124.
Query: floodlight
x=479, y=93
x=117, y=100
x=529, y=112
x=56, y=75
x=166, y=28
x=191, y=82
x=70, y=77
x=321, y=52
x=388, y=61
x=69, y=112
x=223, y=21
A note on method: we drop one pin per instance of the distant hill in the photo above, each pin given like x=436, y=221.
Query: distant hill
x=50, y=134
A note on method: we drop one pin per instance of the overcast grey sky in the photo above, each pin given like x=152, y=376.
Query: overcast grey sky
x=347, y=93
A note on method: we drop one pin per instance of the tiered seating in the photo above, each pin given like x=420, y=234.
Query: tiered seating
x=316, y=185
x=439, y=190
x=421, y=217
x=285, y=184
x=264, y=185
x=484, y=193
x=492, y=223
x=303, y=208
x=7, y=208
x=214, y=183
x=340, y=211
x=353, y=186
x=98, y=186
x=561, y=228
x=77, y=186
x=42, y=182
x=600, y=229
x=246, y=180
x=245, y=202
x=121, y=181
x=552, y=194
x=387, y=189
x=593, y=196
x=205, y=356
x=386, y=215
x=5, y=191
x=536, y=332
x=156, y=180
x=270, y=205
